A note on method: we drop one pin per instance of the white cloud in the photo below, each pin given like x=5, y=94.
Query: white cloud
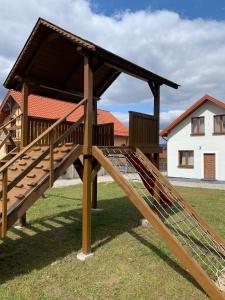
x=123, y=117
x=169, y=116
x=190, y=52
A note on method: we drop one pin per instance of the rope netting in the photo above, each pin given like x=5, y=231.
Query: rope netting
x=209, y=254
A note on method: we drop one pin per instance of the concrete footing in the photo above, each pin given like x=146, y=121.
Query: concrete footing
x=97, y=211
x=81, y=256
x=18, y=227
x=145, y=223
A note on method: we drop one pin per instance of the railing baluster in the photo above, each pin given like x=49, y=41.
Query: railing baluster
x=4, y=202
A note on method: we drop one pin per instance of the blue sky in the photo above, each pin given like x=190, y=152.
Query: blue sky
x=183, y=41
x=187, y=8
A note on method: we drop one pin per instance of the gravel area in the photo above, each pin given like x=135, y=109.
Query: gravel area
x=220, y=185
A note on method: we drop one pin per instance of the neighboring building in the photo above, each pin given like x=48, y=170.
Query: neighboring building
x=163, y=159
x=46, y=108
x=196, y=141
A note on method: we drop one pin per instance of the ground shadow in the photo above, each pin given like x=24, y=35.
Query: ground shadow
x=56, y=236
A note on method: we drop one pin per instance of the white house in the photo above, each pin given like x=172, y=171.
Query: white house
x=196, y=141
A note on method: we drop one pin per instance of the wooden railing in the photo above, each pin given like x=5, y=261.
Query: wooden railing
x=53, y=142
x=8, y=132
x=143, y=131
x=103, y=134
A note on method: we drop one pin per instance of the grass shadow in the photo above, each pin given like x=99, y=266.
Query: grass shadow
x=51, y=238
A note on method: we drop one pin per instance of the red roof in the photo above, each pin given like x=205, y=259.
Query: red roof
x=184, y=115
x=163, y=154
x=48, y=108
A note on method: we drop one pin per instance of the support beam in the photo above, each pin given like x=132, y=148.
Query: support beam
x=94, y=192
x=79, y=168
x=87, y=158
x=103, y=87
x=24, y=135
x=155, y=88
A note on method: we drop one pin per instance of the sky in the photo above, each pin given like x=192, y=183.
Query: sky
x=183, y=41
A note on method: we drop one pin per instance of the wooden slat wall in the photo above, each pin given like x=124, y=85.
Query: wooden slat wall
x=142, y=130
x=103, y=135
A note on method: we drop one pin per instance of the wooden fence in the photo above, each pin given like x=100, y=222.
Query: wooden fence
x=143, y=132
x=103, y=134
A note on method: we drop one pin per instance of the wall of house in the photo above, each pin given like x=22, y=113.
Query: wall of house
x=120, y=140
x=180, y=139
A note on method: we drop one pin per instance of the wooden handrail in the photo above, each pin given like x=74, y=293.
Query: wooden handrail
x=46, y=132
x=10, y=121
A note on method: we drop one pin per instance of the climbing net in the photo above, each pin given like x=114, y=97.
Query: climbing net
x=208, y=253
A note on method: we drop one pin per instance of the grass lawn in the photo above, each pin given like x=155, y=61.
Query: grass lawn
x=130, y=262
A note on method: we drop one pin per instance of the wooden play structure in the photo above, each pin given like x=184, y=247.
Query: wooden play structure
x=58, y=64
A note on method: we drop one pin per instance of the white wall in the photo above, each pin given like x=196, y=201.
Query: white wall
x=180, y=139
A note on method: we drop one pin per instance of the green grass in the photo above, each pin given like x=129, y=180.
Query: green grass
x=130, y=262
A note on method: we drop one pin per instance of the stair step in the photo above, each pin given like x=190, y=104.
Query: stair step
x=19, y=196
x=32, y=184
x=58, y=159
x=34, y=157
x=26, y=157
x=46, y=170
x=37, y=148
x=65, y=150
x=55, y=150
x=31, y=175
x=13, y=168
x=38, y=167
x=22, y=163
x=19, y=185
x=46, y=158
x=68, y=144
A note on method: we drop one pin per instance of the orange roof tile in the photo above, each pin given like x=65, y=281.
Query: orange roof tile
x=48, y=108
x=196, y=105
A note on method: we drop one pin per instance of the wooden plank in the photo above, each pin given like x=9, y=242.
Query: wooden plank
x=51, y=157
x=24, y=124
x=4, y=203
x=194, y=269
x=87, y=158
x=94, y=186
x=24, y=138
x=79, y=168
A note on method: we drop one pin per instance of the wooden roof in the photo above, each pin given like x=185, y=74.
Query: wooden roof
x=52, y=57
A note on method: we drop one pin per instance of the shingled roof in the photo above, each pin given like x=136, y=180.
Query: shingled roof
x=48, y=108
x=52, y=57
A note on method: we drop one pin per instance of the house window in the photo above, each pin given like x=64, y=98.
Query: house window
x=198, y=126
x=219, y=124
x=186, y=159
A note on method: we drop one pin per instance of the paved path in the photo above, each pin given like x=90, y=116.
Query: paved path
x=219, y=185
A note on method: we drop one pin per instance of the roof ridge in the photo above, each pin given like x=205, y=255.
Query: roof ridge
x=189, y=110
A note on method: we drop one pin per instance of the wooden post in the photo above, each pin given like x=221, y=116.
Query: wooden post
x=24, y=137
x=4, y=202
x=157, y=115
x=87, y=156
x=94, y=197
x=51, y=158
x=155, y=88
x=24, y=133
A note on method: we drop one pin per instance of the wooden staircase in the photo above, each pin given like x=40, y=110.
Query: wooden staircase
x=27, y=174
